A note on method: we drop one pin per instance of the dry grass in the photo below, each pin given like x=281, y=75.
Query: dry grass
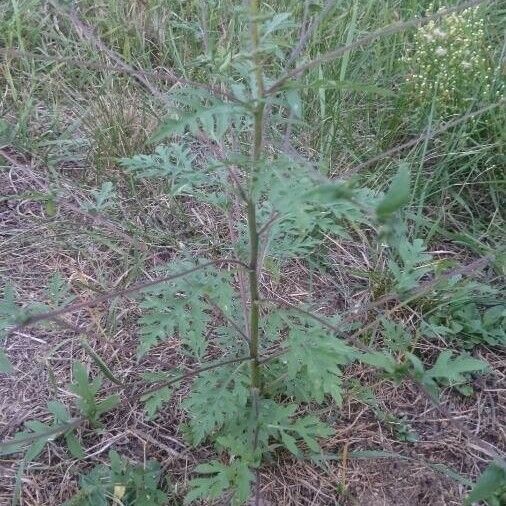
x=35, y=246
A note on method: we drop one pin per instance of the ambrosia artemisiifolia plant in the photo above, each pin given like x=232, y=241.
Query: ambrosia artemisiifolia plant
x=249, y=407
x=276, y=359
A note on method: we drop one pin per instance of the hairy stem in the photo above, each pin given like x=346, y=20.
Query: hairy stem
x=258, y=117
x=254, y=296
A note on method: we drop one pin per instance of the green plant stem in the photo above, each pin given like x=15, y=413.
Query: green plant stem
x=255, y=45
x=258, y=117
x=254, y=297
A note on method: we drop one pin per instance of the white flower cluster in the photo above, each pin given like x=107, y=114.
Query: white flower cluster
x=451, y=62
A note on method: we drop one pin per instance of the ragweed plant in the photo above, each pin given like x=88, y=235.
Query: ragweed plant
x=451, y=65
x=260, y=364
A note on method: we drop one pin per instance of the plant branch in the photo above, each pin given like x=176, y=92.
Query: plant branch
x=480, y=444
x=322, y=320
x=228, y=319
x=422, y=290
x=186, y=375
x=471, y=268
x=468, y=269
x=76, y=422
x=256, y=152
x=428, y=135
x=30, y=438
x=194, y=372
x=159, y=74
x=120, y=293
x=267, y=225
x=86, y=32
x=94, y=218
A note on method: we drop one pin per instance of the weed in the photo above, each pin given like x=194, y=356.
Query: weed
x=121, y=482
x=450, y=62
x=264, y=371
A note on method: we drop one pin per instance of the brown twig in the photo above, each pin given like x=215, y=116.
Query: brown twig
x=50, y=315
x=85, y=31
x=161, y=74
x=184, y=376
x=424, y=287
x=471, y=268
x=480, y=444
x=426, y=136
